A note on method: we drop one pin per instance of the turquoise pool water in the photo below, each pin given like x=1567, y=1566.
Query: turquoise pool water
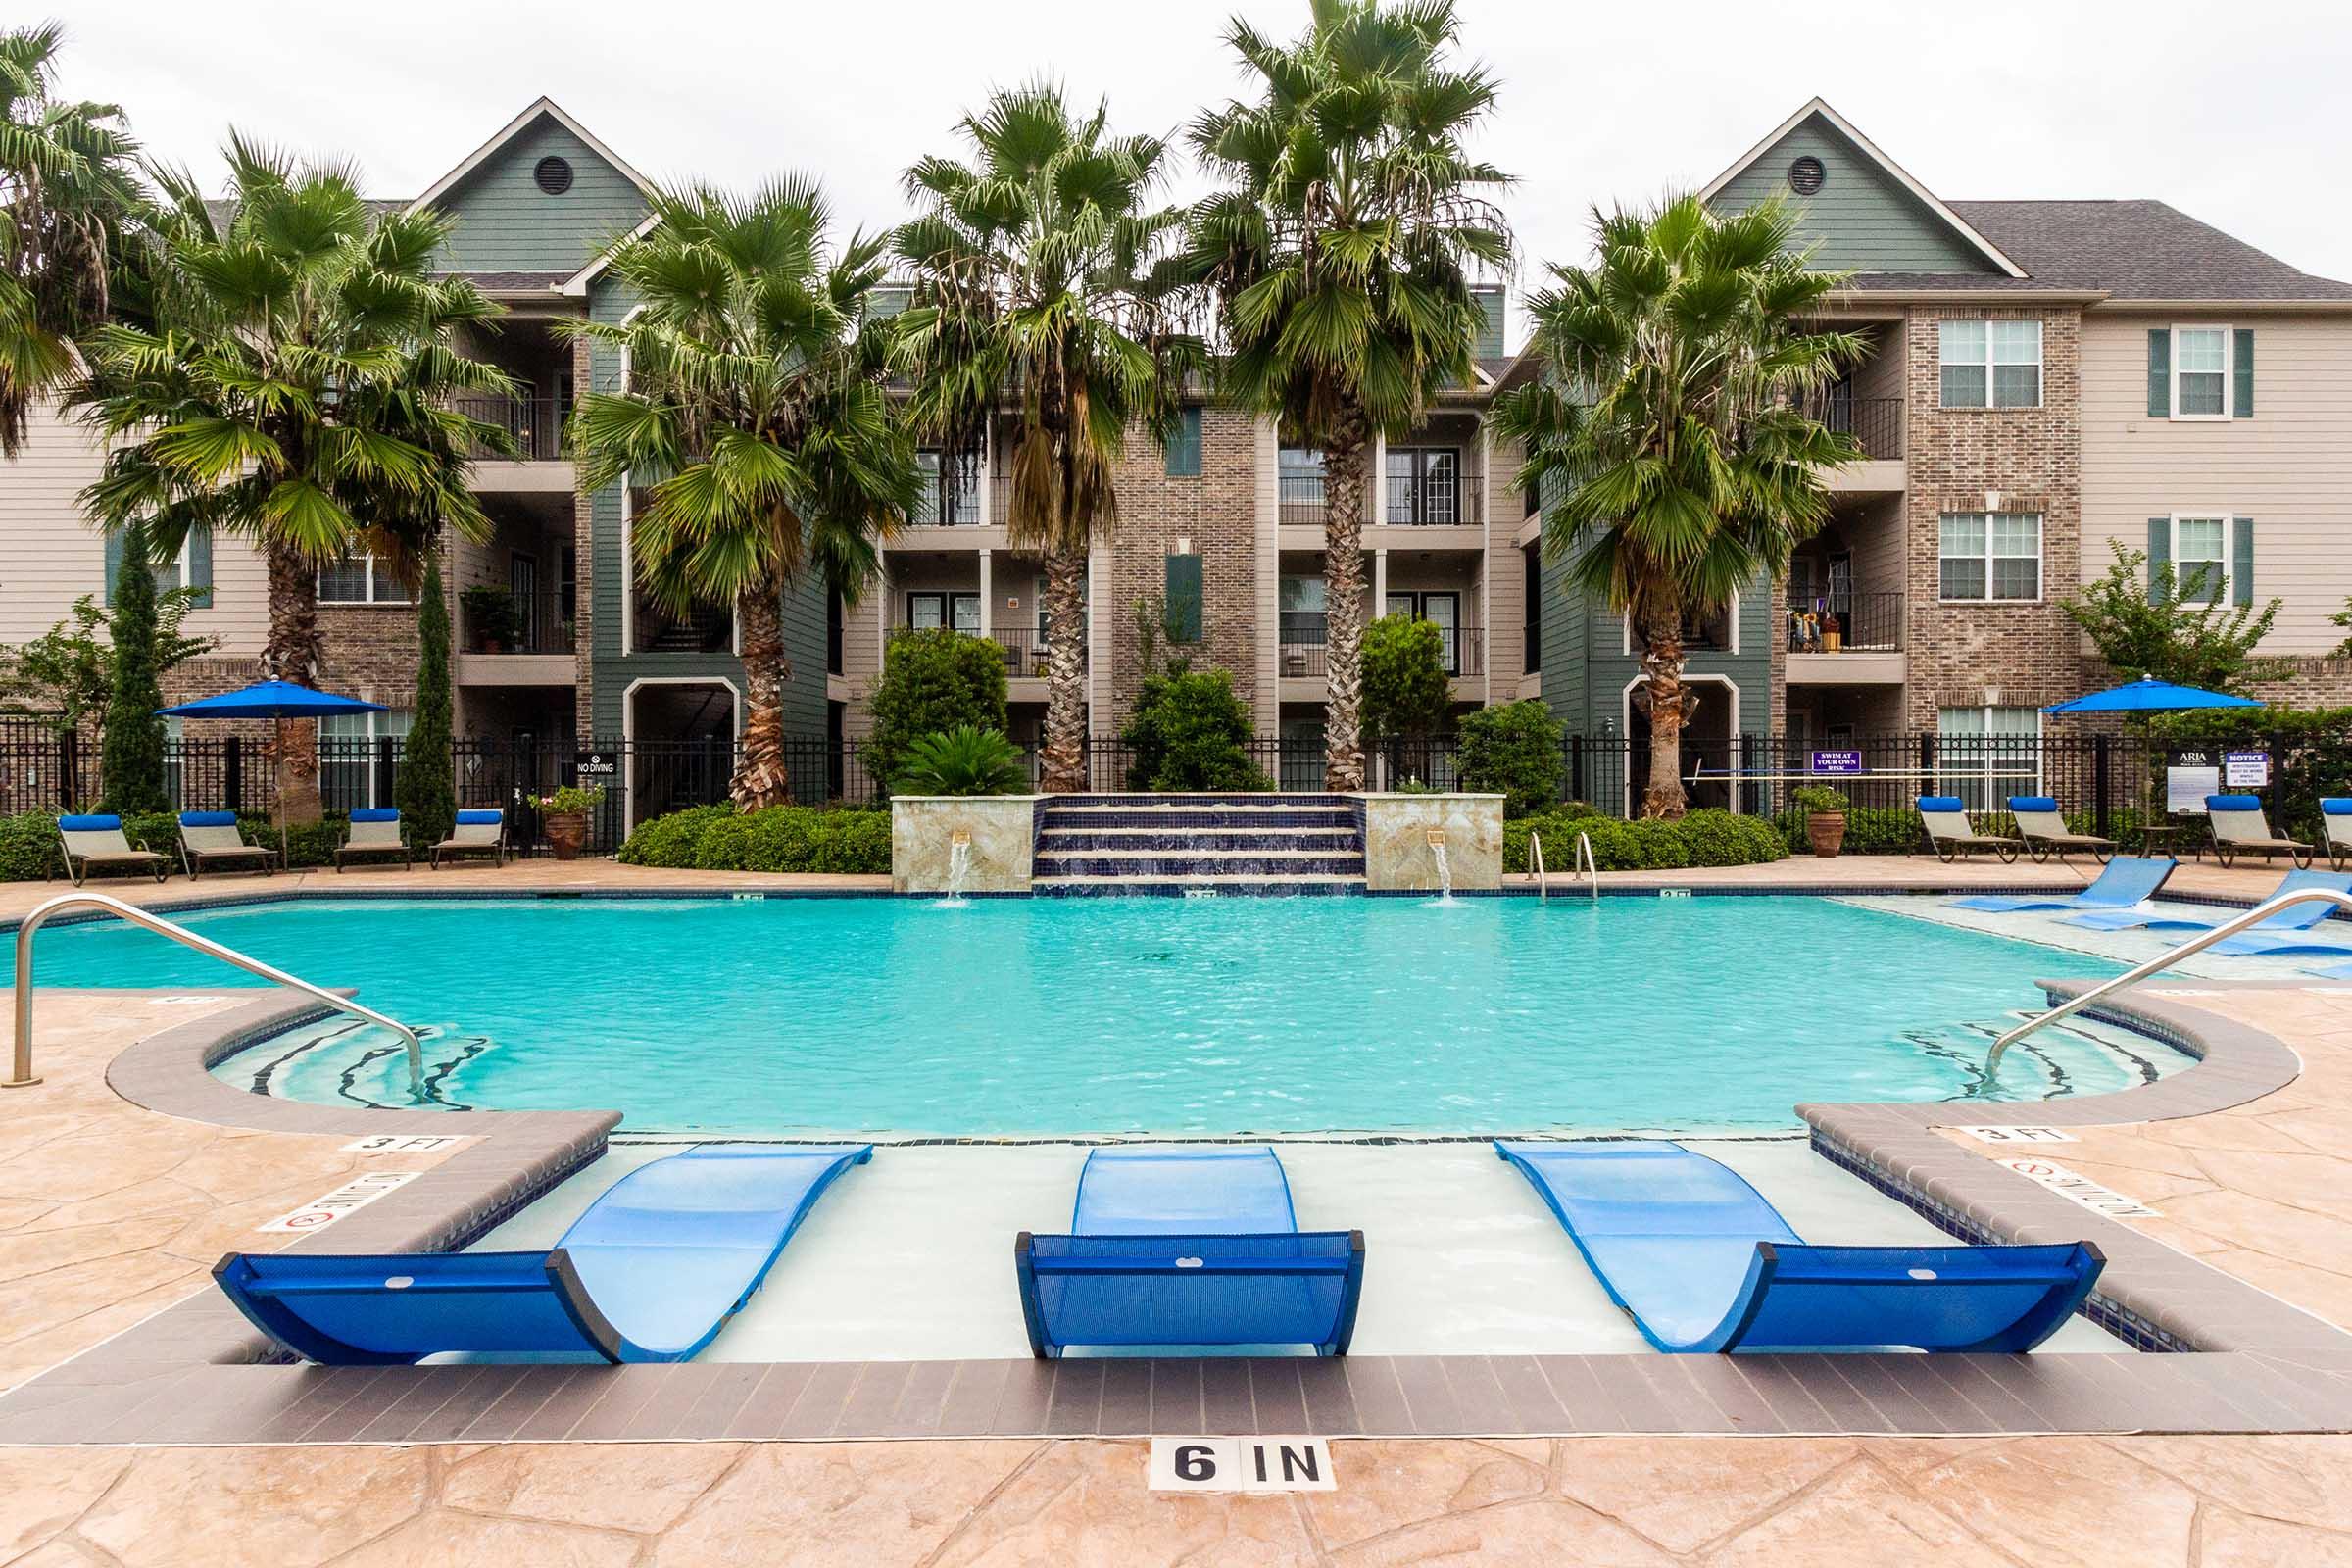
x=1147, y=1015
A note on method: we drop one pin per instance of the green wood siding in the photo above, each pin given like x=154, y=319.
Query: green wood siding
x=1491, y=335
x=1862, y=218
x=506, y=223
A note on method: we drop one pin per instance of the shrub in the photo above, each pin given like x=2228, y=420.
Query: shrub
x=672, y=841
x=1700, y=838
x=1406, y=691
x=131, y=759
x=962, y=760
x=1818, y=799
x=932, y=680
x=779, y=838
x=1190, y=732
x=1721, y=838
x=1512, y=751
x=426, y=790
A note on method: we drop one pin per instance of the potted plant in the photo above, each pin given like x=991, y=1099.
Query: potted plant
x=1825, y=817
x=563, y=817
x=493, y=619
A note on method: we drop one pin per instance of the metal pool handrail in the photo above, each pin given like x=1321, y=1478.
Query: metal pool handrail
x=2189, y=949
x=20, y=1071
x=1535, y=855
x=1585, y=863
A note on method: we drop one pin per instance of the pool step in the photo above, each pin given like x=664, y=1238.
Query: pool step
x=1200, y=862
x=1065, y=840
x=1207, y=843
x=1084, y=886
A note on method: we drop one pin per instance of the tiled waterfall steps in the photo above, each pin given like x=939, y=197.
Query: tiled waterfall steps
x=1093, y=844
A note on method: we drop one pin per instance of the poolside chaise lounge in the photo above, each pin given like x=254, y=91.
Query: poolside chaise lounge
x=1187, y=1247
x=2275, y=934
x=95, y=842
x=213, y=840
x=2241, y=829
x=1952, y=834
x=374, y=830
x=651, y=1272
x=479, y=832
x=2335, y=821
x=2043, y=827
x=1701, y=1262
x=2121, y=883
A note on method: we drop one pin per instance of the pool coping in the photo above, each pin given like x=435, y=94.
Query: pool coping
x=197, y=1373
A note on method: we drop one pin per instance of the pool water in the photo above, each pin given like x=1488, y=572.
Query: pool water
x=1007, y=1017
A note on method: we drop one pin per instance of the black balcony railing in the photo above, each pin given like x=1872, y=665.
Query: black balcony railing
x=1299, y=500
x=1845, y=621
x=536, y=425
x=529, y=623
x=1875, y=422
x=703, y=629
x=1304, y=634
x=1025, y=652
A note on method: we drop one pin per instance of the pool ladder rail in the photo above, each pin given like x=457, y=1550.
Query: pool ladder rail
x=21, y=1073
x=2163, y=961
x=1584, y=864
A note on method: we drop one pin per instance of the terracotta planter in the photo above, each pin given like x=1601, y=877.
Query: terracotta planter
x=567, y=832
x=1827, y=830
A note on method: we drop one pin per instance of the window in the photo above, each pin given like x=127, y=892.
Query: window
x=1991, y=555
x=935, y=487
x=2200, y=372
x=1299, y=486
x=2003, y=359
x=1425, y=486
x=1184, y=447
x=1985, y=754
x=359, y=580
x=932, y=611
x=2201, y=558
x=352, y=770
x=1442, y=610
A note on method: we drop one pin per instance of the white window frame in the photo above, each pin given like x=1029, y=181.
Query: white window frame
x=2041, y=558
x=2228, y=336
x=376, y=732
x=180, y=565
x=1991, y=364
x=2224, y=516
x=1998, y=787
x=367, y=559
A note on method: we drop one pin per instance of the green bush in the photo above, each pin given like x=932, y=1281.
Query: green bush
x=780, y=838
x=1406, y=688
x=1701, y=838
x=962, y=760
x=932, y=680
x=672, y=841
x=1190, y=732
x=1512, y=751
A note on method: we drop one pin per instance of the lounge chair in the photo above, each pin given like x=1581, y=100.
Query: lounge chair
x=479, y=832
x=652, y=1272
x=1187, y=1247
x=2241, y=829
x=2300, y=917
x=374, y=830
x=2335, y=819
x=213, y=839
x=95, y=842
x=1953, y=835
x=2122, y=884
x=1701, y=1262
x=2043, y=827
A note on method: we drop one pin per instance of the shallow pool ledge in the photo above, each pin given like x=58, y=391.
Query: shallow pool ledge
x=1400, y=854
x=923, y=828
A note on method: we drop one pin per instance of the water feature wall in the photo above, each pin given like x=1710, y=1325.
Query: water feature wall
x=1404, y=836
x=997, y=843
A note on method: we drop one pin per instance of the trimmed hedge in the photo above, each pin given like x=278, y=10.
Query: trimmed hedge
x=1701, y=838
x=29, y=849
x=780, y=838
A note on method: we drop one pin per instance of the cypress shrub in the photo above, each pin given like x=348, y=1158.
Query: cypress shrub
x=130, y=767
x=426, y=790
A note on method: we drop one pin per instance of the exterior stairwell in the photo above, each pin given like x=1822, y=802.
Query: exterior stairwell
x=1096, y=843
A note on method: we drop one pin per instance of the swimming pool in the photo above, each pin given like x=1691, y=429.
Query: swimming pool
x=1054, y=1017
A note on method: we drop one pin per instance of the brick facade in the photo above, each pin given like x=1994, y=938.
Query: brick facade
x=1214, y=516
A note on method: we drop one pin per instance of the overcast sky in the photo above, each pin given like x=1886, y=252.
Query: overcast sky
x=2233, y=114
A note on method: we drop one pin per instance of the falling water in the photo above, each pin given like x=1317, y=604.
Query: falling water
x=959, y=867
x=1437, y=853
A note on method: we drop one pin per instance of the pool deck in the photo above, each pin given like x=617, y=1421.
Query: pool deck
x=118, y=1195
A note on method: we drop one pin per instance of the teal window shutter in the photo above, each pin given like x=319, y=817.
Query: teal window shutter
x=1184, y=447
x=2160, y=553
x=2241, y=561
x=1183, y=599
x=200, y=565
x=2160, y=373
x=2243, y=376
x=114, y=561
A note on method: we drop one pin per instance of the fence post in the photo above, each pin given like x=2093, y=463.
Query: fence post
x=232, y=773
x=69, y=768
x=1926, y=765
x=2099, y=818
x=385, y=781
x=1576, y=767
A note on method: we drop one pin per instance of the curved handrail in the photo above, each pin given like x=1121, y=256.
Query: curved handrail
x=1585, y=863
x=2156, y=966
x=1535, y=857
x=20, y=1071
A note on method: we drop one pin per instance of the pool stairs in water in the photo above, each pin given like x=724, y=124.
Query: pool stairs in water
x=1096, y=844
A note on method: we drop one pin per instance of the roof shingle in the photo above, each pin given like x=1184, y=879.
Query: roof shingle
x=2131, y=250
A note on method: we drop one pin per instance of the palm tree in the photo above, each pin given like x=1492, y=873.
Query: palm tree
x=284, y=375
x=1341, y=253
x=1668, y=436
x=757, y=424
x=66, y=187
x=1043, y=272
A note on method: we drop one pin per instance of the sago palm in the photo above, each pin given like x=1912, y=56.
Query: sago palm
x=755, y=426
x=1045, y=276
x=67, y=188
x=1341, y=253
x=285, y=377
x=1668, y=436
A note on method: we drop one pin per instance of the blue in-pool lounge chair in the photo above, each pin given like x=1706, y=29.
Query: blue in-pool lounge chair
x=1187, y=1247
x=1701, y=1262
x=651, y=1272
x=2298, y=917
x=2123, y=882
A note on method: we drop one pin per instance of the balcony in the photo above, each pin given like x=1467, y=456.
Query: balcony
x=1430, y=501
x=1302, y=639
x=538, y=427
x=706, y=628
x=1853, y=638
x=1877, y=426
x=1025, y=652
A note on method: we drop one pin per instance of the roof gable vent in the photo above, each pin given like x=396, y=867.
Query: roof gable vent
x=1805, y=176
x=552, y=175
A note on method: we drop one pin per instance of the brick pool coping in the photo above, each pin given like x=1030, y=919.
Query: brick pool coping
x=2244, y=1361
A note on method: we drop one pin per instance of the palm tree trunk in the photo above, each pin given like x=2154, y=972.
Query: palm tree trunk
x=1064, y=771
x=763, y=776
x=295, y=650
x=1343, y=603
x=1662, y=659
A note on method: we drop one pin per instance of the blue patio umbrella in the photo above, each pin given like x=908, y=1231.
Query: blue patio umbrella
x=2150, y=696
x=271, y=700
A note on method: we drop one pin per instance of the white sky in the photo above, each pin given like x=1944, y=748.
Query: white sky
x=2233, y=114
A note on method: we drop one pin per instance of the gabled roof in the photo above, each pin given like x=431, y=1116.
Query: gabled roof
x=515, y=127
x=1959, y=225
x=2142, y=250
x=578, y=283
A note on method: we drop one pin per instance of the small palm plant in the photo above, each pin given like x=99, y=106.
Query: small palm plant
x=964, y=760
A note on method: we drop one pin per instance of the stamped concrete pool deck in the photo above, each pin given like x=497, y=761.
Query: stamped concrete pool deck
x=112, y=1212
